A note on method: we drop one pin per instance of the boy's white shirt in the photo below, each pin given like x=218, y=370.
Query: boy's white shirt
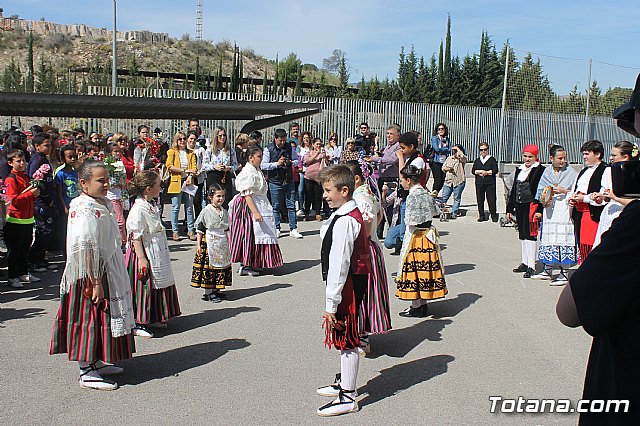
x=345, y=232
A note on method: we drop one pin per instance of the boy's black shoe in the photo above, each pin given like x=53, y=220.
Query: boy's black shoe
x=521, y=268
x=529, y=273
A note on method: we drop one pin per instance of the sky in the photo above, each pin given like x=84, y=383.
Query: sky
x=562, y=34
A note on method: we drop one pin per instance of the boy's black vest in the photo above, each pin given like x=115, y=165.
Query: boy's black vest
x=280, y=175
x=595, y=183
x=361, y=256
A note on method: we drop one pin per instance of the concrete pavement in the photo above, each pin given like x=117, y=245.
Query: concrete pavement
x=258, y=357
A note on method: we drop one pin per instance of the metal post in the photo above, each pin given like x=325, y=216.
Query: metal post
x=586, y=115
x=114, y=66
x=504, y=107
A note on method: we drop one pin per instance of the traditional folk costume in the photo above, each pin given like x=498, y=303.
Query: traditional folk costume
x=212, y=267
x=557, y=239
x=610, y=212
x=346, y=264
x=155, y=297
x=88, y=332
x=523, y=204
x=253, y=244
x=374, y=313
x=586, y=215
x=420, y=272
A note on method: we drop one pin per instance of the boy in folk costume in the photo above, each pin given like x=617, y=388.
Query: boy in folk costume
x=523, y=204
x=95, y=319
x=148, y=258
x=586, y=211
x=346, y=263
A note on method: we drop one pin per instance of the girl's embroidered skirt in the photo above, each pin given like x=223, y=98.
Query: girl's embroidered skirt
x=150, y=305
x=206, y=276
x=243, y=247
x=374, y=316
x=421, y=275
x=82, y=329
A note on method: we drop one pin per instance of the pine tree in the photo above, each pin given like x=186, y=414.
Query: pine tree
x=45, y=78
x=30, y=70
x=265, y=88
x=595, y=96
x=12, y=78
x=274, y=88
x=297, y=91
x=343, y=78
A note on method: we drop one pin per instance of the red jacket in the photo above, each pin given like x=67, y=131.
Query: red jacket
x=21, y=207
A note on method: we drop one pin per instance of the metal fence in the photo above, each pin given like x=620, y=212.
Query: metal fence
x=468, y=126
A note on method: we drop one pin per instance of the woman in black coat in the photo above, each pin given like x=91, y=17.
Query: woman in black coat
x=485, y=169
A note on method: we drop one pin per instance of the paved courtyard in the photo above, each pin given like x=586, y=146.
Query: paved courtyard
x=258, y=357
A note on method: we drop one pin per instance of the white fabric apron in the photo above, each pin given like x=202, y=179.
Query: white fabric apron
x=264, y=232
x=557, y=227
x=218, y=248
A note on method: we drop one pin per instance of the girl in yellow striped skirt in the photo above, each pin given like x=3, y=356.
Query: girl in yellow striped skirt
x=421, y=272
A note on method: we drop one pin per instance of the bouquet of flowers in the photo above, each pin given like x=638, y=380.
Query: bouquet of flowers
x=4, y=204
x=39, y=175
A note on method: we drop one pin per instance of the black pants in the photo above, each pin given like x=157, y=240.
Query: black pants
x=312, y=196
x=438, y=175
x=490, y=192
x=61, y=231
x=522, y=217
x=18, y=239
x=45, y=217
x=197, y=200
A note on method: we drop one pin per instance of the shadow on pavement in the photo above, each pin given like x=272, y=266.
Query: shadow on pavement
x=201, y=319
x=297, y=266
x=178, y=246
x=394, y=380
x=8, y=314
x=241, y=293
x=145, y=368
x=458, y=267
x=310, y=233
x=399, y=342
x=47, y=289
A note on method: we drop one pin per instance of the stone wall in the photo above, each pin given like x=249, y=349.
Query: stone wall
x=81, y=30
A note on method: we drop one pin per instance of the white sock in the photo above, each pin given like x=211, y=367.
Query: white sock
x=523, y=251
x=530, y=250
x=349, y=363
x=416, y=303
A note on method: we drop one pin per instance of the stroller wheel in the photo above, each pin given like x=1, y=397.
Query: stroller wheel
x=502, y=222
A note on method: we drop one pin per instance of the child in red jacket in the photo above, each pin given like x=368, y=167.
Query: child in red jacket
x=18, y=231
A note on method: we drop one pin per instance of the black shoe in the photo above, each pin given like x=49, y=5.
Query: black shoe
x=529, y=272
x=521, y=268
x=482, y=219
x=425, y=309
x=214, y=298
x=220, y=294
x=494, y=217
x=413, y=313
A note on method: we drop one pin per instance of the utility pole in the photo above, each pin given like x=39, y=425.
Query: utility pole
x=503, y=109
x=114, y=66
x=199, y=21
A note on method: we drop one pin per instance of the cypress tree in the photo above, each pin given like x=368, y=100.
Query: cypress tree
x=265, y=88
x=298, y=89
x=30, y=70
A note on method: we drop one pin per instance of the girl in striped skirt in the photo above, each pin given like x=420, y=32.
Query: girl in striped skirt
x=212, y=263
x=155, y=297
x=374, y=311
x=94, y=322
x=253, y=230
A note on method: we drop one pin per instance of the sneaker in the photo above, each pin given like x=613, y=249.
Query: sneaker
x=529, y=273
x=15, y=283
x=521, y=268
x=560, y=280
x=97, y=383
x=28, y=278
x=453, y=216
x=413, y=312
x=295, y=234
x=37, y=268
x=108, y=369
x=142, y=331
x=176, y=237
x=278, y=233
x=343, y=404
x=544, y=275
x=300, y=213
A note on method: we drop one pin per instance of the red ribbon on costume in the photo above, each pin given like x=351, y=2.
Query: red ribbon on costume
x=534, y=223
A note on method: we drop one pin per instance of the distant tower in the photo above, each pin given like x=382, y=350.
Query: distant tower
x=199, y=21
